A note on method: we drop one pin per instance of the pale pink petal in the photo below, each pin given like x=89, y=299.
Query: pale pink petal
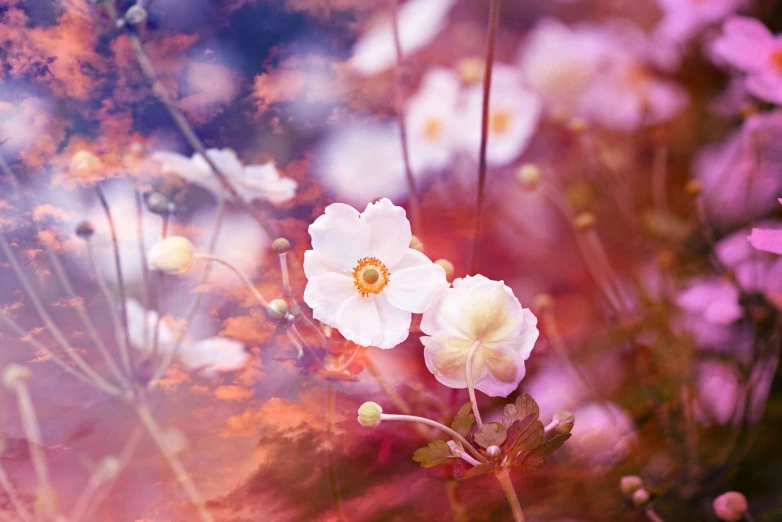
x=412, y=258
x=340, y=237
x=215, y=354
x=358, y=320
x=446, y=357
x=745, y=43
x=325, y=294
x=389, y=231
x=396, y=322
x=315, y=265
x=414, y=289
x=766, y=85
x=766, y=240
x=506, y=370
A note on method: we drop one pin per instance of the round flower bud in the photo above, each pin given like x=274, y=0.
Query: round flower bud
x=640, y=497
x=281, y=245
x=730, y=506
x=173, y=255
x=136, y=15
x=416, y=244
x=529, y=176
x=584, y=221
x=471, y=69
x=84, y=162
x=278, y=309
x=447, y=266
x=566, y=421
x=693, y=187
x=543, y=302
x=629, y=484
x=14, y=374
x=494, y=452
x=159, y=204
x=85, y=230
x=369, y=414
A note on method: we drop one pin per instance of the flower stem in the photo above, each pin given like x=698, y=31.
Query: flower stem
x=415, y=213
x=331, y=469
x=430, y=422
x=653, y=516
x=507, y=486
x=470, y=385
x=494, y=19
x=239, y=274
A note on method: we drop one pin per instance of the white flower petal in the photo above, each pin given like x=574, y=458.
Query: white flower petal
x=340, y=237
x=215, y=354
x=358, y=320
x=396, y=322
x=325, y=293
x=489, y=313
x=506, y=370
x=412, y=258
x=415, y=289
x=389, y=231
x=315, y=265
x=446, y=354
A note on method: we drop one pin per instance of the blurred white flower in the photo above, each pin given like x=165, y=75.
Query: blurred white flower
x=419, y=22
x=361, y=162
x=478, y=309
x=173, y=255
x=251, y=181
x=141, y=329
x=514, y=112
x=603, y=433
x=363, y=278
x=431, y=120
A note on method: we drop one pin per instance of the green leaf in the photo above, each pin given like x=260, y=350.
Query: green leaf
x=491, y=434
x=535, y=460
x=435, y=453
x=520, y=410
x=464, y=420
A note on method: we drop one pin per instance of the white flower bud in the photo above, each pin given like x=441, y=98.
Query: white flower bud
x=640, y=497
x=14, y=374
x=494, y=452
x=173, y=255
x=281, y=245
x=566, y=421
x=730, y=506
x=136, y=15
x=278, y=309
x=369, y=414
x=629, y=484
x=529, y=176
x=416, y=244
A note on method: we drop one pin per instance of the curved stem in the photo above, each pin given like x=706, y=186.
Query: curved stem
x=430, y=422
x=13, y=496
x=653, y=516
x=239, y=274
x=180, y=473
x=331, y=469
x=494, y=20
x=470, y=385
x=507, y=486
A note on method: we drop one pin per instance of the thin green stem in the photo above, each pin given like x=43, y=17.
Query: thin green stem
x=507, y=486
x=494, y=20
x=470, y=384
x=443, y=427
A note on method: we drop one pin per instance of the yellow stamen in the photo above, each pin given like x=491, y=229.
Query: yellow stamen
x=370, y=276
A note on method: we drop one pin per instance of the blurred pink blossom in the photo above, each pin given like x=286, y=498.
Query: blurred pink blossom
x=603, y=433
x=767, y=240
x=683, y=19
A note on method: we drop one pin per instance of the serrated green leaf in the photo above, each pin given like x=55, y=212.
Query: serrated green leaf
x=491, y=434
x=532, y=462
x=521, y=409
x=435, y=453
x=464, y=420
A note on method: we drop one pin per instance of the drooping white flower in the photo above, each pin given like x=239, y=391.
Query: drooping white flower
x=431, y=120
x=419, y=22
x=514, y=112
x=343, y=159
x=478, y=309
x=363, y=279
x=251, y=181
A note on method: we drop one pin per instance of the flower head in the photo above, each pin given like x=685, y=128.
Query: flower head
x=173, y=255
x=369, y=414
x=363, y=279
x=767, y=240
x=730, y=506
x=479, y=310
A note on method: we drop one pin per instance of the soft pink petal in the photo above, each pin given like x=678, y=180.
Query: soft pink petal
x=358, y=320
x=415, y=289
x=325, y=294
x=766, y=85
x=396, y=323
x=315, y=265
x=340, y=237
x=766, y=240
x=744, y=44
x=506, y=370
x=389, y=231
x=445, y=355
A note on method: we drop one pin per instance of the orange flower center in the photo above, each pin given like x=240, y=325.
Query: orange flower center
x=370, y=276
x=776, y=60
x=499, y=121
x=432, y=129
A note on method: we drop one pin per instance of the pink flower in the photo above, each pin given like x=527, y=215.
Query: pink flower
x=717, y=390
x=748, y=46
x=740, y=175
x=767, y=240
x=684, y=19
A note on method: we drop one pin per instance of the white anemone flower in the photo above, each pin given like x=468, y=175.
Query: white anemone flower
x=419, y=22
x=431, y=121
x=363, y=277
x=207, y=357
x=479, y=310
x=514, y=113
x=253, y=182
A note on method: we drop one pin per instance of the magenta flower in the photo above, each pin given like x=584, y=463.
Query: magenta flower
x=748, y=46
x=767, y=240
